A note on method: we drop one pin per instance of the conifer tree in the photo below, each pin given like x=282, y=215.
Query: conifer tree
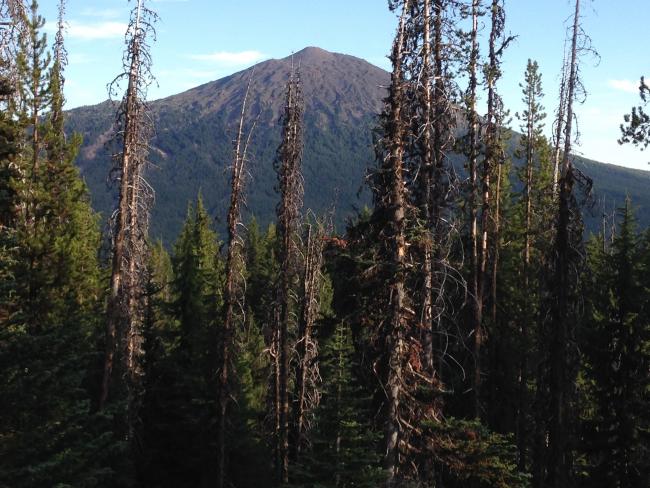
x=619, y=361
x=179, y=408
x=534, y=150
x=233, y=290
x=636, y=129
x=306, y=391
x=48, y=324
x=126, y=300
x=344, y=451
x=554, y=454
x=288, y=168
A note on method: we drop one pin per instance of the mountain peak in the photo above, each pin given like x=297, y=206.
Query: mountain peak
x=312, y=54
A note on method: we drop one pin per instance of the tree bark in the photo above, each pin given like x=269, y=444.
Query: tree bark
x=233, y=271
x=396, y=204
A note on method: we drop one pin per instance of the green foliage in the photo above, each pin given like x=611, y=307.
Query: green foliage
x=618, y=361
x=182, y=323
x=467, y=452
x=54, y=291
x=345, y=447
x=637, y=124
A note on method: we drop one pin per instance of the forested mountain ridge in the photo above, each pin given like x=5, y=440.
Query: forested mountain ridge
x=343, y=95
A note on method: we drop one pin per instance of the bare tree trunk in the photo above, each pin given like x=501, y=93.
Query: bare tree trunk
x=232, y=289
x=444, y=123
x=559, y=464
x=397, y=206
x=426, y=183
x=560, y=124
x=476, y=281
x=128, y=277
x=290, y=179
x=496, y=244
x=306, y=394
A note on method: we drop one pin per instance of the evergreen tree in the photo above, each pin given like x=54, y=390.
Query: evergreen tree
x=179, y=407
x=636, y=129
x=618, y=355
x=344, y=451
x=46, y=338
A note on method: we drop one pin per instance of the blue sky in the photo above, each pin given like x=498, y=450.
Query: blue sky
x=203, y=40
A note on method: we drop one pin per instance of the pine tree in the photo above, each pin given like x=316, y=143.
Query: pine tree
x=233, y=289
x=618, y=361
x=344, y=450
x=533, y=148
x=288, y=168
x=636, y=129
x=554, y=453
x=179, y=409
x=126, y=300
x=47, y=334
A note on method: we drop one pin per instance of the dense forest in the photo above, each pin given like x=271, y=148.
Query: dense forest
x=462, y=331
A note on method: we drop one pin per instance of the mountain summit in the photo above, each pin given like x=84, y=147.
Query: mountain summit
x=192, y=148
x=194, y=131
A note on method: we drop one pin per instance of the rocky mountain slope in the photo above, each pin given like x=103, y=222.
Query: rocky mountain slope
x=192, y=147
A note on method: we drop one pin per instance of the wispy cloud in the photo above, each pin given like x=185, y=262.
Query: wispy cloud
x=90, y=31
x=99, y=30
x=627, y=86
x=225, y=58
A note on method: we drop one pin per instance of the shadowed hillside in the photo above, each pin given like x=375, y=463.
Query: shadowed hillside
x=192, y=147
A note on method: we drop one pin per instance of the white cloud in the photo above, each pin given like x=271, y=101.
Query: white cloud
x=225, y=58
x=94, y=31
x=627, y=86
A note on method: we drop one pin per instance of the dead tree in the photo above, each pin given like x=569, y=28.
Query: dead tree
x=13, y=27
x=424, y=129
x=288, y=168
x=476, y=281
x=395, y=203
x=555, y=452
x=233, y=289
x=123, y=359
x=444, y=124
x=560, y=123
x=307, y=377
x=560, y=381
x=494, y=154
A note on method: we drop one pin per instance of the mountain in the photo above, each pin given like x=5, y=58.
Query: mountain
x=192, y=146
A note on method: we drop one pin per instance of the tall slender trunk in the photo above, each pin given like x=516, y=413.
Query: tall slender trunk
x=476, y=281
x=522, y=415
x=233, y=272
x=443, y=126
x=426, y=190
x=126, y=293
x=289, y=177
x=306, y=395
x=560, y=124
x=559, y=457
x=397, y=205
